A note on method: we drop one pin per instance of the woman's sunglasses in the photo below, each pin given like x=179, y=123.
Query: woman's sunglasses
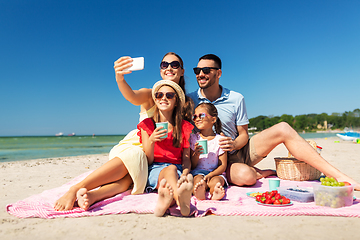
x=201, y=116
x=169, y=95
x=206, y=70
x=173, y=64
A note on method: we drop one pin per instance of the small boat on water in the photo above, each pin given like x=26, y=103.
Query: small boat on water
x=349, y=136
x=71, y=134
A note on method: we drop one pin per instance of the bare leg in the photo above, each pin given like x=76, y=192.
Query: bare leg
x=182, y=187
x=267, y=140
x=167, y=189
x=199, y=187
x=86, y=199
x=111, y=171
x=241, y=174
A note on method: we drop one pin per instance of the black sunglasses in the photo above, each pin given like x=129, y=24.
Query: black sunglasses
x=201, y=116
x=206, y=70
x=173, y=64
x=160, y=95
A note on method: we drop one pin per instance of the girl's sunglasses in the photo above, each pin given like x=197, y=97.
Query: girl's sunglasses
x=206, y=70
x=160, y=95
x=173, y=64
x=201, y=116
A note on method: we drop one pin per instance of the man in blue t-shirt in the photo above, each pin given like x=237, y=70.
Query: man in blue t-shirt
x=244, y=154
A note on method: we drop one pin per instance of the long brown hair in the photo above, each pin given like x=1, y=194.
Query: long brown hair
x=176, y=119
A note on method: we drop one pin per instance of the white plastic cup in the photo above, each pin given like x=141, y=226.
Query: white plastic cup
x=204, y=144
x=164, y=125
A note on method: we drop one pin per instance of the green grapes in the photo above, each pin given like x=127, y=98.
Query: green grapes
x=331, y=182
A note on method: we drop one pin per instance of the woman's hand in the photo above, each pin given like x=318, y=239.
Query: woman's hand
x=157, y=134
x=120, y=65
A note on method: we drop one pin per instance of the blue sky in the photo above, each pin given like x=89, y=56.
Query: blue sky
x=285, y=57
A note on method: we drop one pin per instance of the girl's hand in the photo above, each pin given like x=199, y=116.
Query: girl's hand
x=208, y=177
x=198, y=149
x=157, y=134
x=226, y=143
x=119, y=66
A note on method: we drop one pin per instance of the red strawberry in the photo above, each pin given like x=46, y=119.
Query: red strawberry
x=277, y=196
x=286, y=201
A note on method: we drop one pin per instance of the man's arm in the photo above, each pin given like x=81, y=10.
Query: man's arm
x=227, y=144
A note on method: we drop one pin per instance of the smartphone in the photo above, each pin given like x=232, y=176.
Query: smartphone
x=137, y=64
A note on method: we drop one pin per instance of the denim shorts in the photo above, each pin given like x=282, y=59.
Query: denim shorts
x=154, y=172
x=206, y=172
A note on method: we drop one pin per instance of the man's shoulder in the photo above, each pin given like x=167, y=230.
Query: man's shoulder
x=195, y=97
x=231, y=94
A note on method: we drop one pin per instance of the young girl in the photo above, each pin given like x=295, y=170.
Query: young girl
x=208, y=167
x=168, y=151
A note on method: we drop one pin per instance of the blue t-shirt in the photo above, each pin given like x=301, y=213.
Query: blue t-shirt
x=231, y=109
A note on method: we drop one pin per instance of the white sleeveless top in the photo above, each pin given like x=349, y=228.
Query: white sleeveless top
x=148, y=114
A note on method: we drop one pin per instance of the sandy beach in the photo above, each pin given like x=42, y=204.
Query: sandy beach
x=23, y=179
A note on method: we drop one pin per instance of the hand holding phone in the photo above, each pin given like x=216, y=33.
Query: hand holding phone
x=137, y=64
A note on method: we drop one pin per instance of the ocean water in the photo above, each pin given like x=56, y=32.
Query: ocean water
x=317, y=135
x=25, y=148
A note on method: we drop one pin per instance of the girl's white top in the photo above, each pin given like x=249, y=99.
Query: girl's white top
x=210, y=160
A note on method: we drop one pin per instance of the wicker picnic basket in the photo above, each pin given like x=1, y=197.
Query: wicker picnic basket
x=295, y=170
x=289, y=168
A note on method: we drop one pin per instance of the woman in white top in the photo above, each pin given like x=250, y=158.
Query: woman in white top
x=128, y=163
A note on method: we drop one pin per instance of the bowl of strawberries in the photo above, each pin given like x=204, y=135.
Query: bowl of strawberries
x=272, y=198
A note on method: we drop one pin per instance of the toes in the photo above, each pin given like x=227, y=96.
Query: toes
x=190, y=178
x=163, y=183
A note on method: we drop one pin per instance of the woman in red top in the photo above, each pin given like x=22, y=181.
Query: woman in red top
x=168, y=156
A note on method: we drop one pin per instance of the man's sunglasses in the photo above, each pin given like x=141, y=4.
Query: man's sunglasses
x=201, y=116
x=206, y=70
x=173, y=64
x=169, y=95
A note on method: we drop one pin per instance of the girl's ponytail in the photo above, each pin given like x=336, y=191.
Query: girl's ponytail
x=217, y=125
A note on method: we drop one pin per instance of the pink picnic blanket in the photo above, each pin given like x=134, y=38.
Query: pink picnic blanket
x=235, y=202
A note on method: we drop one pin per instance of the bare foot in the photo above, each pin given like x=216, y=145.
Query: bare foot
x=66, y=202
x=219, y=192
x=200, y=190
x=83, y=198
x=185, y=187
x=165, y=198
x=264, y=173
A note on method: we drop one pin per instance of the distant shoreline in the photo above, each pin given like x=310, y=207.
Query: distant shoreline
x=23, y=149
